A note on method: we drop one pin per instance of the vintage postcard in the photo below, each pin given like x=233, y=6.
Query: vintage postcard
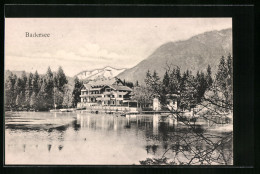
x=118, y=91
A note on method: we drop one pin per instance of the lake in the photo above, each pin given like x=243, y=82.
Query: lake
x=82, y=138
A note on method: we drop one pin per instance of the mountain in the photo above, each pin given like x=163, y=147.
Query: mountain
x=193, y=54
x=98, y=74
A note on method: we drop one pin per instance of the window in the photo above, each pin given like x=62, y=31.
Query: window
x=120, y=96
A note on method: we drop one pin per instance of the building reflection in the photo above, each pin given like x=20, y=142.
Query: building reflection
x=115, y=123
x=49, y=147
x=81, y=121
x=155, y=124
x=60, y=147
x=172, y=121
x=127, y=125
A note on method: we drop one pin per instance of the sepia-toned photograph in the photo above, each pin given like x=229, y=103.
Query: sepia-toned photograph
x=118, y=91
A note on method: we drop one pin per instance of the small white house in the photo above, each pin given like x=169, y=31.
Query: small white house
x=156, y=104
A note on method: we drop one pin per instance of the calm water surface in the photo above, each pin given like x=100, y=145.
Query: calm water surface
x=87, y=139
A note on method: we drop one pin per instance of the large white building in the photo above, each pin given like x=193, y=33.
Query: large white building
x=110, y=92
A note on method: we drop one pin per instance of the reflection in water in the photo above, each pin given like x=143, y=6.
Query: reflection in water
x=61, y=135
x=165, y=145
x=88, y=122
x=60, y=147
x=128, y=125
x=49, y=147
x=76, y=125
x=155, y=124
x=172, y=121
x=24, y=147
x=147, y=148
x=154, y=148
x=78, y=119
x=96, y=138
x=115, y=123
x=151, y=149
x=82, y=121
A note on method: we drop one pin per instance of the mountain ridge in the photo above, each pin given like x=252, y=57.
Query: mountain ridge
x=194, y=54
x=96, y=74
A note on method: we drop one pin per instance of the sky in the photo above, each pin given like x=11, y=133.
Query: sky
x=79, y=44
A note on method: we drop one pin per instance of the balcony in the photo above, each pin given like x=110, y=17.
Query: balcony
x=95, y=95
x=91, y=95
x=84, y=95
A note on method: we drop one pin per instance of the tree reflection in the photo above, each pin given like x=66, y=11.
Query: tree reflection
x=192, y=144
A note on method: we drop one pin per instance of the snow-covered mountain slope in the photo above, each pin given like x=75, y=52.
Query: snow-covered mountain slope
x=105, y=73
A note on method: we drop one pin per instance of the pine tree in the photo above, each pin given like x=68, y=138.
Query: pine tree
x=148, y=78
x=19, y=99
x=61, y=79
x=166, y=80
x=222, y=74
x=188, y=90
x=43, y=101
x=27, y=93
x=201, y=85
x=175, y=80
x=18, y=86
x=49, y=88
x=230, y=66
x=58, y=97
x=33, y=101
x=28, y=89
x=36, y=83
x=67, y=98
x=221, y=93
x=10, y=95
x=24, y=81
x=76, y=92
x=209, y=77
x=230, y=79
x=155, y=85
x=156, y=77
x=55, y=81
x=178, y=74
x=165, y=87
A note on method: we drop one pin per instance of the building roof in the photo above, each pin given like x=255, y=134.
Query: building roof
x=124, y=88
x=86, y=86
x=103, y=82
x=112, y=83
x=122, y=93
